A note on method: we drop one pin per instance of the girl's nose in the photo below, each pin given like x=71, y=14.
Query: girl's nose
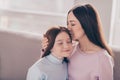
x=66, y=45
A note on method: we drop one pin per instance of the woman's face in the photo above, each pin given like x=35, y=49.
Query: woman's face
x=75, y=27
x=62, y=46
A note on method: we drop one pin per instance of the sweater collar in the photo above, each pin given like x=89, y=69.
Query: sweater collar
x=53, y=59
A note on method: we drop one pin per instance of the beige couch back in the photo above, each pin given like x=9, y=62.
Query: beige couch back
x=18, y=51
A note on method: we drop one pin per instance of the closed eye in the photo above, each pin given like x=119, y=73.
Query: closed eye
x=72, y=24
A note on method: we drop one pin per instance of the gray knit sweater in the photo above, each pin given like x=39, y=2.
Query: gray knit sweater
x=48, y=68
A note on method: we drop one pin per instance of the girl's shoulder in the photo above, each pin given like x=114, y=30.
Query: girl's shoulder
x=35, y=72
x=39, y=62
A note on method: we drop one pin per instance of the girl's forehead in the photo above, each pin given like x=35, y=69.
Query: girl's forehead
x=62, y=35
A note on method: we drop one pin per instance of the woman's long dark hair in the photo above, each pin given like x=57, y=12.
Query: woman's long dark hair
x=90, y=21
x=51, y=35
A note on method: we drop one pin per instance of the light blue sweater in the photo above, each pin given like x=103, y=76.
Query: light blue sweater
x=48, y=68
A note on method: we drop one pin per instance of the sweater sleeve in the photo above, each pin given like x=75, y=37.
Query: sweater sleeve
x=35, y=74
x=106, y=67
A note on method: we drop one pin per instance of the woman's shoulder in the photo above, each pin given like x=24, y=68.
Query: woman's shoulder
x=104, y=54
x=105, y=57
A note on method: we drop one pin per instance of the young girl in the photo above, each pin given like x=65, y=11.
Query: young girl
x=53, y=64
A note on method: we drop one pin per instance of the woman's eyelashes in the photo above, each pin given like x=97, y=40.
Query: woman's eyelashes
x=72, y=24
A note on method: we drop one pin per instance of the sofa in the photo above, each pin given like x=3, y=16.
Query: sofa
x=116, y=51
x=19, y=50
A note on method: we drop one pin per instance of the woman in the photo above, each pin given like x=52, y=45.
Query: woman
x=91, y=58
x=53, y=64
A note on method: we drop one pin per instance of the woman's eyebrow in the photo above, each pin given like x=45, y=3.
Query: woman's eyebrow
x=72, y=21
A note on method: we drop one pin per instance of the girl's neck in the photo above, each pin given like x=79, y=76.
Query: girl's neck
x=58, y=57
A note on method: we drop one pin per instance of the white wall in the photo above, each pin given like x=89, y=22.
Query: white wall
x=104, y=8
x=37, y=16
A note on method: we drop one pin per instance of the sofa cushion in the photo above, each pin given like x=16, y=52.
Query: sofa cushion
x=116, y=51
x=18, y=51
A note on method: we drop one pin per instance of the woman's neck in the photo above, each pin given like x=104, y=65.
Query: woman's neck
x=87, y=46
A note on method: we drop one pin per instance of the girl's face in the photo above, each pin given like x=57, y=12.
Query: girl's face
x=62, y=46
x=75, y=27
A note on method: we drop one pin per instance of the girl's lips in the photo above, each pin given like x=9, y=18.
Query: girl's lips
x=66, y=50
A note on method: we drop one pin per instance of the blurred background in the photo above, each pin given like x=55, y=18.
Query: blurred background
x=37, y=16
x=23, y=23
x=33, y=15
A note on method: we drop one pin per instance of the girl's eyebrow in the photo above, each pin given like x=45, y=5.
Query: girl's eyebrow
x=61, y=40
x=58, y=41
